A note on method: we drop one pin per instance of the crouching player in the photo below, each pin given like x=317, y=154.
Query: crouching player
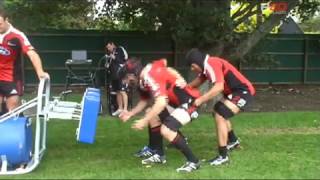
x=171, y=110
x=237, y=90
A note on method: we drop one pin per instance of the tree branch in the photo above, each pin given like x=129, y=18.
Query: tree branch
x=243, y=18
x=236, y=14
x=274, y=19
x=246, y=9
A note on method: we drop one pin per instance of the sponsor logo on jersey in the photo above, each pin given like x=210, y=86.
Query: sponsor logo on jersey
x=4, y=51
x=11, y=44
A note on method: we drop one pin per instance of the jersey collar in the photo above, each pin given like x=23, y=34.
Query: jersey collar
x=205, y=64
x=7, y=32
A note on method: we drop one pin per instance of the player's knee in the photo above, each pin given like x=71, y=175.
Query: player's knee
x=165, y=131
x=12, y=103
x=147, y=110
x=172, y=123
x=154, y=122
x=223, y=110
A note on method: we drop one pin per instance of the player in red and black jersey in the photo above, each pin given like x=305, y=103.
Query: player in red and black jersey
x=13, y=44
x=237, y=90
x=171, y=110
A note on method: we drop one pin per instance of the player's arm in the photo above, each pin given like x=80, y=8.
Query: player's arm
x=214, y=91
x=36, y=62
x=121, y=54
x=217, y=78
x=139, y=107
x=126, y=115
x=180, y=82
x=198, y=81
x=158, y=106
x=174, y=72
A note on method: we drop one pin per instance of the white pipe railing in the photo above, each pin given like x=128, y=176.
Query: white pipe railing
x=15, y=112
x=41, y=102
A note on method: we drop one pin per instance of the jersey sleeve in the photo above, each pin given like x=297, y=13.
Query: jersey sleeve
x=125, y=54
x=121, y=55
x=195, y=93
x=25, y=43
x=214, y=70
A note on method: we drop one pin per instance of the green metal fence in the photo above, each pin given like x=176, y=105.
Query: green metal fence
x=55, y=48
x=298, y=56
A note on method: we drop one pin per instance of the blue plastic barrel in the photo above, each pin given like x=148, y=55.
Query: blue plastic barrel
x=16, y=140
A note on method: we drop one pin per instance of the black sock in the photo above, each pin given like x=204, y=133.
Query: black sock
x=150, y=134
x=232, y=136
x=180, y=143
x=155, y=140
x=180, y=133
x=223, y=151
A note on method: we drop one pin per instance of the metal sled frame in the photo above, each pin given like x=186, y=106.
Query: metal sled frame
x=40, y=102
x=46, y=110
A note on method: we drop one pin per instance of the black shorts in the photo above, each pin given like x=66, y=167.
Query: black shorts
x=8, y=89
x=181, y=96
x=118, y=85
x=163, y=115
x=241, y=98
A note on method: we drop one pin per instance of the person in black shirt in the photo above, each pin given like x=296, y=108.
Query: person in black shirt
x=118, y=56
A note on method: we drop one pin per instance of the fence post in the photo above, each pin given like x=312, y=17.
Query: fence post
x=175, y=56
x=305, y=67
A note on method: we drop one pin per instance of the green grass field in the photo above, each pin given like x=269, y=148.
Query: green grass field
x=274, y=146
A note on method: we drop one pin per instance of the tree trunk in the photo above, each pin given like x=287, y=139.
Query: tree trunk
x=262, y=30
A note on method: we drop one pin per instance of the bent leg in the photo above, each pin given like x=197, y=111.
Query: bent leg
x=221, y=130
x=155, y=137
x=119, y=101
x=232, y=138
x=124, y=99
x=169, y=130
x=12, y=102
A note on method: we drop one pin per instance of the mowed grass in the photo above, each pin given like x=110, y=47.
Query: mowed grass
x=274, y=146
